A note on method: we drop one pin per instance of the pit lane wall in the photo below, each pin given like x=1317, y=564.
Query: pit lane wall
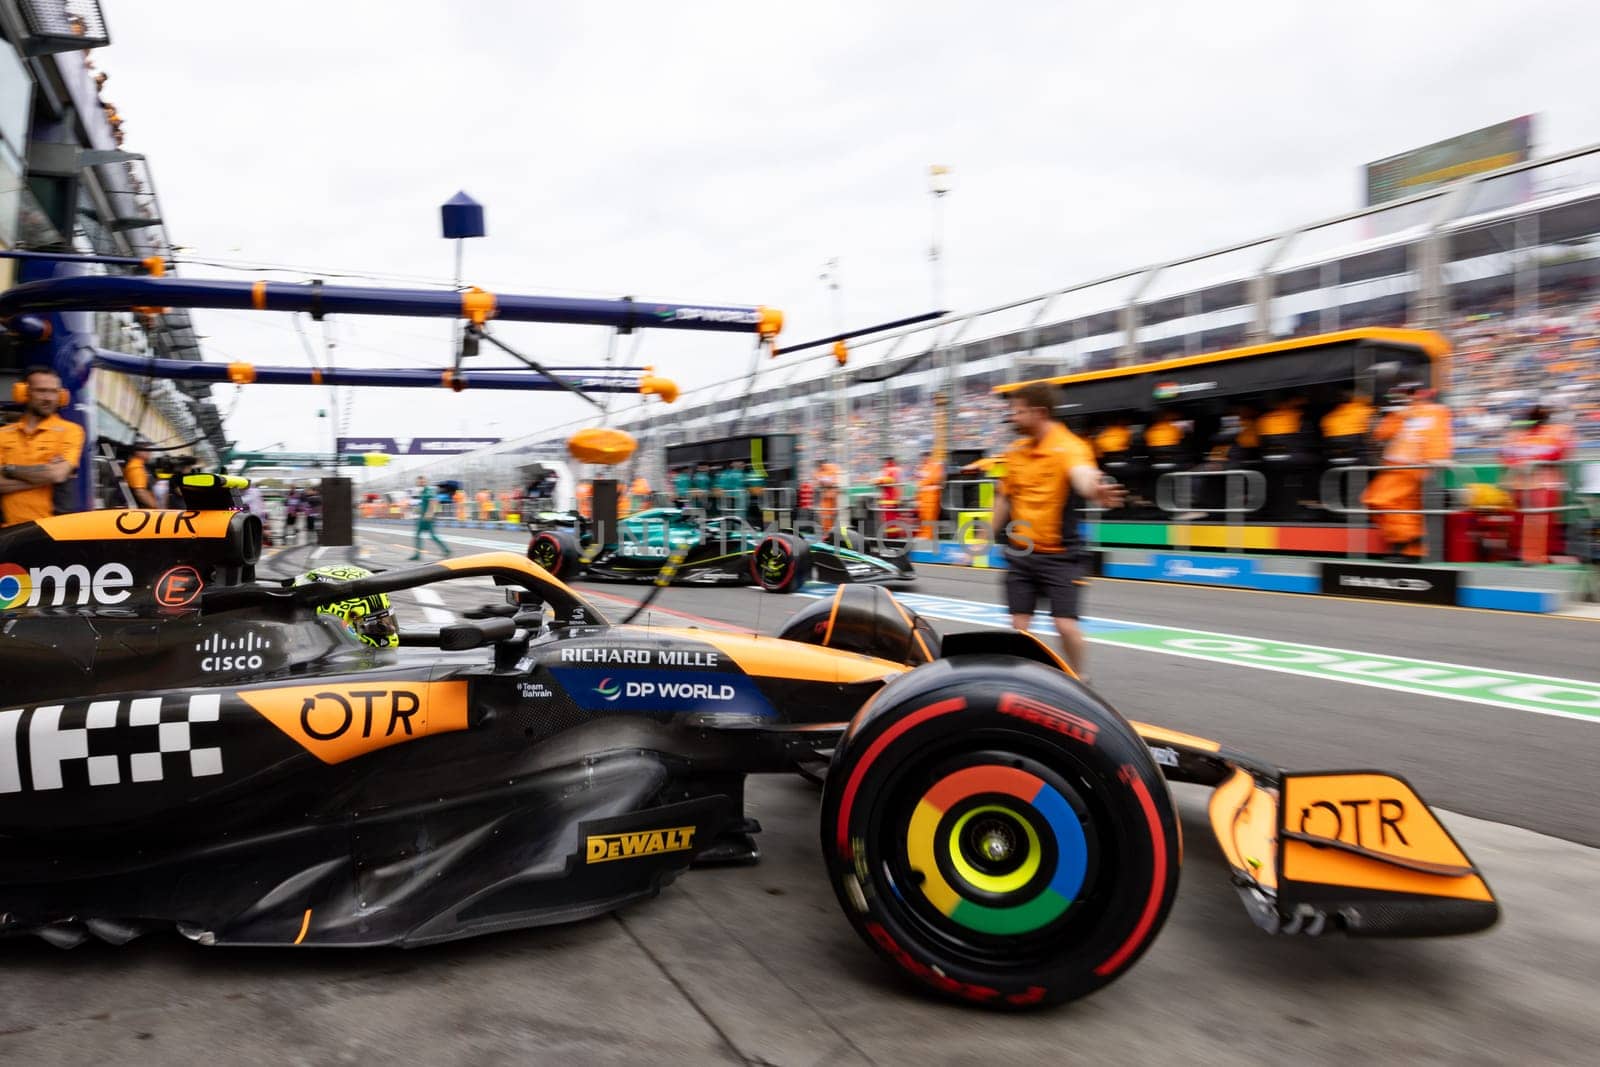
x=1499, y=587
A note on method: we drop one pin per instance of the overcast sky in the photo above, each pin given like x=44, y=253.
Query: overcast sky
x=720, y=153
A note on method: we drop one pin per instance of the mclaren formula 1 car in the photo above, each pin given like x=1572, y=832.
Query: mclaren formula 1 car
x=183, y=746
x=696, y=550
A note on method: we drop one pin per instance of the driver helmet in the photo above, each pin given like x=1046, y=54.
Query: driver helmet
x=370, y=618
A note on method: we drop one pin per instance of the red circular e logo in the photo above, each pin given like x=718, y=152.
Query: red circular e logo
x=179, y=587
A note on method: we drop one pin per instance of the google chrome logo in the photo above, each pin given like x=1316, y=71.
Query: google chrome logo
x=15, y=586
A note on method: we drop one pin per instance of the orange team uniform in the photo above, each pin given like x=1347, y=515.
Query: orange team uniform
x=828, y=478
x=1538, y=487
x=641, y=493
x=1420, y=433
x=586, y=500
x=1352, y=418
x=51, y=437
x=485, y=504
x=1113, y=439
x=930, y=491
x=1038, y=486
x=889, y=494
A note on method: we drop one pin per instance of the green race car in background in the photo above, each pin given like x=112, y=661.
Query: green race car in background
x=720, y=550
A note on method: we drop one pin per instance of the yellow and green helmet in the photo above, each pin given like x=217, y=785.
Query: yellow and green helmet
x=370, y=618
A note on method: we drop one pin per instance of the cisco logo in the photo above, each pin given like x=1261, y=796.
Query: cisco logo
x=237, y=655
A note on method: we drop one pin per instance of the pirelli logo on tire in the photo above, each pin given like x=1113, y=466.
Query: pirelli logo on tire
x=338, y=722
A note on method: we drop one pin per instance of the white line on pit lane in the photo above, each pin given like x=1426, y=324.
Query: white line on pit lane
x=992, y=615
x=452, y=538
x=432, y=606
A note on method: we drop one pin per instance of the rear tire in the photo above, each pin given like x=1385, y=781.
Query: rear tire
x=780, y=563
x=557, y=552
x=998, y=833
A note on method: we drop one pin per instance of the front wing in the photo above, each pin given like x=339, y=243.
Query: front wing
x=1357, y=852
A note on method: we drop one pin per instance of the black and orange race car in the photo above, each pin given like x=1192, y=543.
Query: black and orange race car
x=184, y=746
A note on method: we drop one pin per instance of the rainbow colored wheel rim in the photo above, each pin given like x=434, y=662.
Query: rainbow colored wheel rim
x=1000, y=851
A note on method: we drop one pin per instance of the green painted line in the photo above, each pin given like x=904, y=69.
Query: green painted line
x=1539, y=694
x=1565, y=697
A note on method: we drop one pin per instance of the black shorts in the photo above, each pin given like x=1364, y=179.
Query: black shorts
x=1058, y=576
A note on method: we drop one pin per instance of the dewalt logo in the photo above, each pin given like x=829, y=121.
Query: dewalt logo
x=624, y=846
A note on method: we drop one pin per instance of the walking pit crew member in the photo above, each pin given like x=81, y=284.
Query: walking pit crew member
x=38, y=452
x=1417, y=433
x=1049, y=473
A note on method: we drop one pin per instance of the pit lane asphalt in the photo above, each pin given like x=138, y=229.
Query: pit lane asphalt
x=756, y=965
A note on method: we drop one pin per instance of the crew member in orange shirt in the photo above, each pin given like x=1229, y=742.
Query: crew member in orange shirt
x=1050, y=473
x=930, y=492
x=136, y=472
x=1534, y=457
x=640, y=489
x=829, y=481
x=888, y=483
x=1415, y=434
x=586, y=499
x=37, y=452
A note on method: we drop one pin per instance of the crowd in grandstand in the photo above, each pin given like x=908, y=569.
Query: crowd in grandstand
x=1503, y=362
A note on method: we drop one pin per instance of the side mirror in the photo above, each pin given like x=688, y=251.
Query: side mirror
x=458, y=637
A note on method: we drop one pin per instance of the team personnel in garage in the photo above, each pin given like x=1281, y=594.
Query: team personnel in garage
x=1414, y=436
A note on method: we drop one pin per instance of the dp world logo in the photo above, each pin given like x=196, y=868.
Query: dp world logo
x=15, y=586
x=608, y=689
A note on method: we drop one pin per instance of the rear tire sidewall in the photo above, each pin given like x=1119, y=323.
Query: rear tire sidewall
x=1112, y=782
x=795, y=557
x=560, y=548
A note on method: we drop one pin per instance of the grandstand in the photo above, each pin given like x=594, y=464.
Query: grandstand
x=1506, y=263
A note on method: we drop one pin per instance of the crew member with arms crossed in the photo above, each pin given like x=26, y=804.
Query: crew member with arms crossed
x=1049, y=473
x=37, y=452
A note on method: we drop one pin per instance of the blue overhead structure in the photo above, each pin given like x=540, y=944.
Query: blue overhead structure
x=250, y=374
x=131, y=293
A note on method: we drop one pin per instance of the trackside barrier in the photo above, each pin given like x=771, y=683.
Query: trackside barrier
x=1244, y=492
x=1357, y=515
x=1532, y=485
x=1531, y=481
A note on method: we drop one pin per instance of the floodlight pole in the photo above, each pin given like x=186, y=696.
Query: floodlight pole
x=841, y=405
x=938, y=188
x=460, y=217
